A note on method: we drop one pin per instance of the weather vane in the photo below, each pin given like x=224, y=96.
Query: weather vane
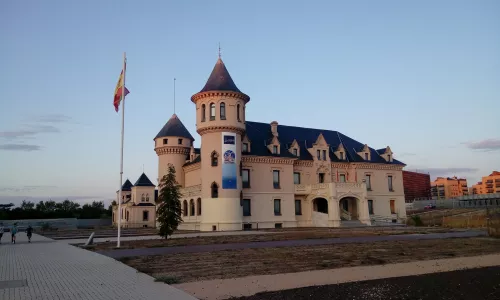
x=219, y=49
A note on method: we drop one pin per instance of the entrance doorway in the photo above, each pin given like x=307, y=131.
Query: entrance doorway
x=320, y=205
x=348, y=208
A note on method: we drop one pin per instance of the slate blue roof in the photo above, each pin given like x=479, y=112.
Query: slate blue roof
x=174, y=127
x=143, y=181
x=196, y=160
x=220, y=80
x=127, y=186
x=260, y=136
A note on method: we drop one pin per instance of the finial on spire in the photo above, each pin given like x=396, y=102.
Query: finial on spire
x=219, y=50
x=174, y=95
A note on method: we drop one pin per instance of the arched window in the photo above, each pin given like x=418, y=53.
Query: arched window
x=126, y=215
x=185, y=208
x=143, y=198
x=203, y=111
x=191, y=207
x=198, y=205
x=215, y=190
x=147, y=197
x=238, y=113
x=214, y=158
x=212, y=111
x=223, y=111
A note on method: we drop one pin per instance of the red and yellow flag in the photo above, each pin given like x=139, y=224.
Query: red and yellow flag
x=118, y=90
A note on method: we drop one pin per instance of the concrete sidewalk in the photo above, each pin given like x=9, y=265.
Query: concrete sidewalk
x=45, y=269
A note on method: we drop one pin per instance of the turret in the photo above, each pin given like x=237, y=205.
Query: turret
x=172, y=145
x=143, y=190
x=220, y=121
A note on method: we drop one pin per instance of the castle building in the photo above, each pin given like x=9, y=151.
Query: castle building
x=249, y=175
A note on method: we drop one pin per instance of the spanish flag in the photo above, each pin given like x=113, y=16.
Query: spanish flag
x=119, y=88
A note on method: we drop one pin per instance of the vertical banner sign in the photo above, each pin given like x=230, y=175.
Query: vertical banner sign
x=229, y=178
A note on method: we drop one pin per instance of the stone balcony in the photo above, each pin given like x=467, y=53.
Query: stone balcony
x=332, y=188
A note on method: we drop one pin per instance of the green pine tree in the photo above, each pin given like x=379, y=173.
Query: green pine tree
x=169, y=203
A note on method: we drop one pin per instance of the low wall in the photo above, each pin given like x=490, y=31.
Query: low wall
x=64, y=224
x=494, y=223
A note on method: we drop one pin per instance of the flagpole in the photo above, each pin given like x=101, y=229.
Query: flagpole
x=121, y=153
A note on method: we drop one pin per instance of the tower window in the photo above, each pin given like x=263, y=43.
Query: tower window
x=203, y=110
x=214, y=190
x=238, y=113
x=212, y=111
x=179, y=141
x=214, y=157
x=165, y=141
x=222, y=111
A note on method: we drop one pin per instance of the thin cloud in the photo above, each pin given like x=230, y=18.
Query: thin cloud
x=447, y=172
x=53, y=118
x=37, y=125
x=406, y=154
x=26, y=188
x=484, y=145
x=20, y=147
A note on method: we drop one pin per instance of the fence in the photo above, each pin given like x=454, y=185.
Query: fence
x=494, y=222
x=456, y=203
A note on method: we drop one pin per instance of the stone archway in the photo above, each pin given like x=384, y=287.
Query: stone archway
x=349, y=208
x=320, y=205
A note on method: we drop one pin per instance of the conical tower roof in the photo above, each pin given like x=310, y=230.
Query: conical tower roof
x=143, y=181
x=174, y=127
x=220, y=80
x=127, y=186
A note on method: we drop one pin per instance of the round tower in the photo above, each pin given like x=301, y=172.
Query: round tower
x=172, y=145
x=220, y=121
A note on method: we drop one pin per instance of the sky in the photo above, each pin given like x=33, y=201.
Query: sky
x=422, y=77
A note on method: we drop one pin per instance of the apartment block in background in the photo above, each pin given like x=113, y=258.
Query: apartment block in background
x=488, y=185
x=449, y=187
x=416, y=185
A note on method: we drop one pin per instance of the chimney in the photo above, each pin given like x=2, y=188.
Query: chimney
x=274, y=128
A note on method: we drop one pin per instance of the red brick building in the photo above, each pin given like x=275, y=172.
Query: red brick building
x=416, y=185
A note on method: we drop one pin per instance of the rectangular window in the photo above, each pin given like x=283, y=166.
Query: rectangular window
x=389, y=157
x=342, y=177
x=245, y=148
x=393, y=206
x=318, y=154
x=296, y=178
x=245, y=178
x=368, y=182
x=145, y=215
x=324, y=154
x=321, y=177
x=212, y=111
x=370, y=207
x=246, y=208
x=341, y=155
x=275, y=149
x=165, y=141
x=277, y=207
x=389, y=183
x=295, y=152
x=366, y=156
x=298, y=207
x=276, y=179
x=278, y=225
x=179, y=141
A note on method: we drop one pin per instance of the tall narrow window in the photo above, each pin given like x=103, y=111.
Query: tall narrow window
x=277, y=207
x=185, y=208
x=238, y=113
x=321, y=177
x=276, y=179
x=244, y=148
x=191, y=207
x=341, y=155
x=223, y=111
x=368, y=182
x=393, y=206
x=296, y=178
x=298, y=207
x=275, y=149
x=366, y=156
x=147, y=197
x=318, y=154
x=212, y=111
x=143, y=198
x=214, y=190
x=370, y=207
x=245, y=178
x=214, y=157
x=247, y=208
x=295, y=152
x=324, y=154
x=342, y=177
x=389, y=183
x=145, y=215
x=389, y=158
x=198, y=206
x=203, y=112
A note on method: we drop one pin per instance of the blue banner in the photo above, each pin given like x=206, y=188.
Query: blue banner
x=229, y=170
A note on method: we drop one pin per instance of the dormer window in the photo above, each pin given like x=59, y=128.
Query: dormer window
x=324, y=154
x=275, y=149
x=165, y=141
x=341, y=155
x=244, y=148
x=295, y=152
x=318, y=154
x=366, y=156
x=389, y=158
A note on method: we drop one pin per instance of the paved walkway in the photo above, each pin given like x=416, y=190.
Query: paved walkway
x=247, y=286
x=46, y=269
x=119, y=253
x=157, y=237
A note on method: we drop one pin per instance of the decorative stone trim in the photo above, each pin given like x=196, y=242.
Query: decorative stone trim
x=268, y=160
x=208, y=94
x=171, y=150
x=303, y=163
x=372, y=166
x=191, y=191
x=222, y=128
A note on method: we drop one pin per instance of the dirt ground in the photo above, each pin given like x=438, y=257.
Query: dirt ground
x=101, y=232
x=310, y=233
x=178, y=268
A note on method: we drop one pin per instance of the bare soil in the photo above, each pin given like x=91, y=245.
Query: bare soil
x=101, y=232
x=240, y=263
x=282, y=235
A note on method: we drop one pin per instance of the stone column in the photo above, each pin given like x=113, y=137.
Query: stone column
x=333, y=212
x=364, y=216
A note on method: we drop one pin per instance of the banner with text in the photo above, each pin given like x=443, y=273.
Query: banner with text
x=229, y=179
